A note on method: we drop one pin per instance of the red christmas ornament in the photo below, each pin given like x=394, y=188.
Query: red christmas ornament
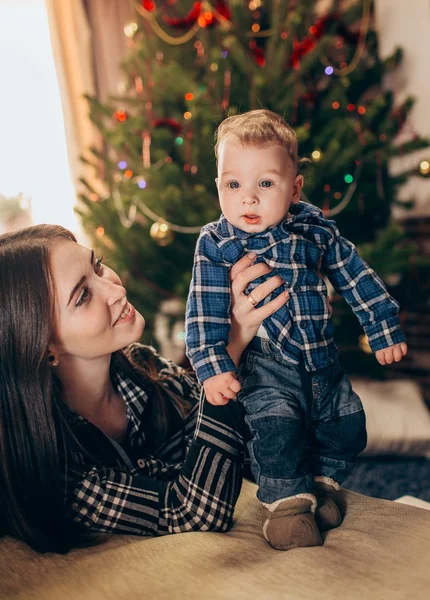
x=258, y=55
x=172, y=124
x=148, y=5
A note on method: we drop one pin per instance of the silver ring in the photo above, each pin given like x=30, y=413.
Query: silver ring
x=251, y=300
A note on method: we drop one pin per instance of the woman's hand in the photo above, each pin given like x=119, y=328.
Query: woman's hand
x=245, y=318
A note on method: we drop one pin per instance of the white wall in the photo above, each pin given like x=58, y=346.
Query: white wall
x=406, y=23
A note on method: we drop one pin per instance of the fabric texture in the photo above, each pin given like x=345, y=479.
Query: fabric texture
x=298, y=250
x=191, y=482
x=383, y=549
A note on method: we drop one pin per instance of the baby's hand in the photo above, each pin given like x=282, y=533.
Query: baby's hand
x=220, y=389
x=393, y=353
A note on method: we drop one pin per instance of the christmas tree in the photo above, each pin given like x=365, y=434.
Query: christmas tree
x=192, y=64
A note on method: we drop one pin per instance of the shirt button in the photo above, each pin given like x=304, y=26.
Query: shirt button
x=297, y=288
x=303, y=324
x=296, y=256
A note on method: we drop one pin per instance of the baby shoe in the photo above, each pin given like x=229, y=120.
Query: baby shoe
x=290, y=523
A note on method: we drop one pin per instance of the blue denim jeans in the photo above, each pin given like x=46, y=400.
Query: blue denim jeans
x=302, y=424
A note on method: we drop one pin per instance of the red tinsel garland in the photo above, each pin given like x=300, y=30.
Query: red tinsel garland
x=172, y=124
x=188, y=21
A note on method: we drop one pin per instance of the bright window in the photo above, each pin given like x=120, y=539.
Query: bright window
x=33, y=155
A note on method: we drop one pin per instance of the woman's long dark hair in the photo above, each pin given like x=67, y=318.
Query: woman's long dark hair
x=34, y=437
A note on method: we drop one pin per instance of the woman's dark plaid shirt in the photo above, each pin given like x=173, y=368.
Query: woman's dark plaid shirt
x=190, y=483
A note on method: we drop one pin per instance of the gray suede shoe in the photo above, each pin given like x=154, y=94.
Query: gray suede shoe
x=290, y=523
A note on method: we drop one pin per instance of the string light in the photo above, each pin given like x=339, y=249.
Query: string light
x=316, y=155
x=100, y=231
x=122, y=164
x=187, y=115
x=425, y=167
x=130, y=29
x=189, y=96
x=348, y=178
x=120, y=115
x=335, y=105
x=179, y=141
x=328, y=70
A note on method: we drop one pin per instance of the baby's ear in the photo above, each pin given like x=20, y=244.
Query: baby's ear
x=297, y=188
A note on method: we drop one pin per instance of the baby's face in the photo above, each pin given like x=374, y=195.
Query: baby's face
x=256, y=186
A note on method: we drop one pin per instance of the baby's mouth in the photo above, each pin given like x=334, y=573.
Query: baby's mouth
x=251, y=219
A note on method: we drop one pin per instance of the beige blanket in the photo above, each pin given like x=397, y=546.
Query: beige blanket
x=381, y=551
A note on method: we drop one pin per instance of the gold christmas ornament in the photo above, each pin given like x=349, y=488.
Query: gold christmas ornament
x=161, y=233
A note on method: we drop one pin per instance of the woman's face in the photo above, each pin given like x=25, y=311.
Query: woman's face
x=92, y=315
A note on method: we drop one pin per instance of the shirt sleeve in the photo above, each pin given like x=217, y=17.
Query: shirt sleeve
x=207, y=320
x=201, y=498
x=364, y=291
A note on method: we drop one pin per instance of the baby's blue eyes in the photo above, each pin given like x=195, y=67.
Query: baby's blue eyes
x=234, y=185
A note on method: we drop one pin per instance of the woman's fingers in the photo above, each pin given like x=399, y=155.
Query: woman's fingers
x=266, y=288
x=242, y=264
x=271, y=307
x=241, y=280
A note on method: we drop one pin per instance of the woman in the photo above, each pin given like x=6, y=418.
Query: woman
x=97, y=439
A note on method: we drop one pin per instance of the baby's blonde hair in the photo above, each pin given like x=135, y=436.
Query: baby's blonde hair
x=260, y=128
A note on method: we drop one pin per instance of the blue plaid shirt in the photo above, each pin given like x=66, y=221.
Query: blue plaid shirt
x=298, y=250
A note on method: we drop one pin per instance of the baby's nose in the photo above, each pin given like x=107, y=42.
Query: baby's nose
x=250, y=198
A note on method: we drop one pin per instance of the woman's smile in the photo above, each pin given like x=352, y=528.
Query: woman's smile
x=127, y=315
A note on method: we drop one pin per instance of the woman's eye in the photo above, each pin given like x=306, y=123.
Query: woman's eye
x=266, y=183
x=98, y=267
x=83, y=298
x=233, y=185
